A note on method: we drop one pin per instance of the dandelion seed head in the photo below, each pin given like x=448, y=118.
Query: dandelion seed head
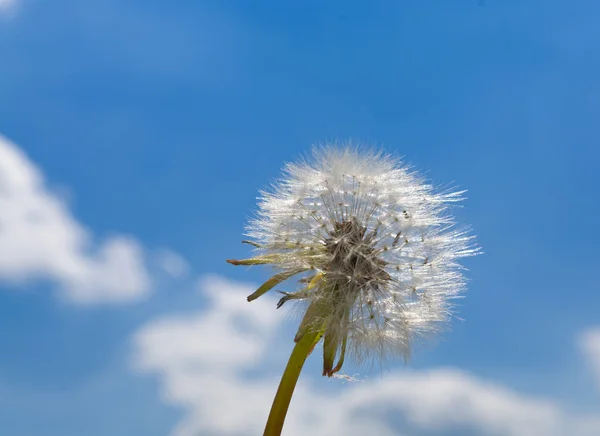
x=376, y=247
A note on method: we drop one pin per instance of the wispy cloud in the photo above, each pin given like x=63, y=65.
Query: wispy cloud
x=7, y=4
x=40, y=239
x=172, y=263
x=201, y=361
x=8, y=9
x=590, y=344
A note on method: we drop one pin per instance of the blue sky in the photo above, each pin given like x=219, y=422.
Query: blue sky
x=142, y=131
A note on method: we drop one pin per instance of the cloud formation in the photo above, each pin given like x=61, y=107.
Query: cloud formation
x=172, y=263
x=7, y=5
x=41, y=240
x=590, y=344
x=201, y=361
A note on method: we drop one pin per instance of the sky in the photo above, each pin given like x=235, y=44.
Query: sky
x=136, y=135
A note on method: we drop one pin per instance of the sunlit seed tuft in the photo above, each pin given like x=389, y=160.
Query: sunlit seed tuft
x=375, y=248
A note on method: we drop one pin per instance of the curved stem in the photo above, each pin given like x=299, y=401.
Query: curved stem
x=288, y=382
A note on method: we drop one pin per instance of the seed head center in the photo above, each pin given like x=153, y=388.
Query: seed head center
x=354, y=255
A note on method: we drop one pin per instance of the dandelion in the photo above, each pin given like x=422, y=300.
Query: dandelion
x=375, y=253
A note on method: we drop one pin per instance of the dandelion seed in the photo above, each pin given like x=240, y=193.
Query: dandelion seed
x=374, y=247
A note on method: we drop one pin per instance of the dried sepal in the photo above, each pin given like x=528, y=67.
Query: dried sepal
x=272, y=282
x=258, y=260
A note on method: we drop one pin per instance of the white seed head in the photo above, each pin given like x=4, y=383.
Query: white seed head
x=375, y=247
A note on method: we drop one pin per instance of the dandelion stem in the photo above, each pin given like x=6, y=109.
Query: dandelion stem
x=288, y=382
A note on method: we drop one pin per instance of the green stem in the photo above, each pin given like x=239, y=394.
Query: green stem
x=288, y=382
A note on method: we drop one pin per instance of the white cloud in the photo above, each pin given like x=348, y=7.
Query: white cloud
x=40, y=239
x=201, y=360
x=172, y=263
x=590, y=344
